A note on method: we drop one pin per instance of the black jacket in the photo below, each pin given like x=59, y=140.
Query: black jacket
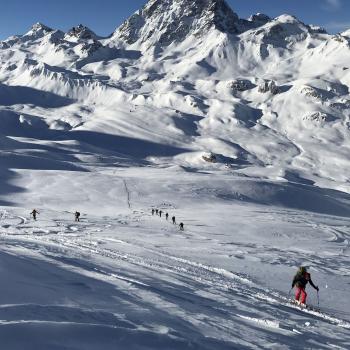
x=301, y=280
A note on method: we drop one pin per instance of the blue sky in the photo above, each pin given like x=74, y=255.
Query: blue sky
x=103, y=16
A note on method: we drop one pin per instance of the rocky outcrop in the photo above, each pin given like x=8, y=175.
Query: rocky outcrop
x=81, y=33
x=240, y=85
x=269, y=86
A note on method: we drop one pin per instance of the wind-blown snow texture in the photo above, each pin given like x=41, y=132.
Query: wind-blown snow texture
x=239, y=128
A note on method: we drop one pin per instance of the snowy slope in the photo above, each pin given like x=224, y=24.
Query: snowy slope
x=215, y=119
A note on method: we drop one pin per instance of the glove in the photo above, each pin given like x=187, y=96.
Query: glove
x=317, y=288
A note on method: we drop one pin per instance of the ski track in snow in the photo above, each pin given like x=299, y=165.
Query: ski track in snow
x=127, y=194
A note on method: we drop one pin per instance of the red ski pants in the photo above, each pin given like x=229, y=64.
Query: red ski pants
x=300, y=295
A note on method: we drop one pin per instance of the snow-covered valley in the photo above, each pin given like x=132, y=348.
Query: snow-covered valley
x=238, y=128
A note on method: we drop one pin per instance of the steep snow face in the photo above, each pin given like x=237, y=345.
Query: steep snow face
x=167, y=21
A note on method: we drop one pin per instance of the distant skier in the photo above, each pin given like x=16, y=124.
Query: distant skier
x=300, y=281
x=160, y=213
x=77, y=216
x=181, y=226
x=173, y=220
x=152, y=211
x=34, y=213
x=157, y=211
x=167, y=216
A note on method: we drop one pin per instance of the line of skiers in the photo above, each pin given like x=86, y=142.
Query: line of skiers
x=34, y=213
x=173, y=219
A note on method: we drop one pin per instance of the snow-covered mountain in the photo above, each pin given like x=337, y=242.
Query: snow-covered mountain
x=238, y=127
x=224, y=85
x=166, y=22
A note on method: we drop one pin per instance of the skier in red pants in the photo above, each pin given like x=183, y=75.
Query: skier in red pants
x=300, y=281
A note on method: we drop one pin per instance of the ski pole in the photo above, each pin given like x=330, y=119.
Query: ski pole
x=318, y=299
x=289, y=293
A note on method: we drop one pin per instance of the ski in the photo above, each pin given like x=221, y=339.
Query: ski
x=308, y=307
x=316, y=311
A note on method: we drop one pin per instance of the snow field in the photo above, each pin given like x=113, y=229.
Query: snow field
x=132, y=273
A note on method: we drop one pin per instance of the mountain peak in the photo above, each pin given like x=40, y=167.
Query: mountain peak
x=81, y=32
x=285, y=31
x=39, y=29
x=259, y=18
x=286, y=19
x=346, y=33
x=168, y=21
x=39, y=26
